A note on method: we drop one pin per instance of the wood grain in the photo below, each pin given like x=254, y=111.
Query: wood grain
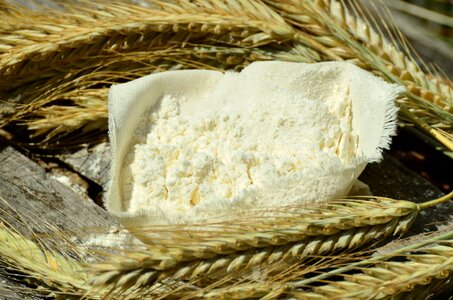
x=392, y=179
x=25, y=188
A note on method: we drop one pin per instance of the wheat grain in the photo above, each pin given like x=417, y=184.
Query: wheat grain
x=429, y=262
x=243, y=291
x=418, y=271
x=339, y=225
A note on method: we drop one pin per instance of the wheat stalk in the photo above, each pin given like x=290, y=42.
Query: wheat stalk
x=339, y=225
x=221, y=266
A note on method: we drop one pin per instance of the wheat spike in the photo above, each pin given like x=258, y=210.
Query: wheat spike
x=52, y=272
x=339, y=225
x=425, y=263
x=312, y=17
x=304, y=31
x=418, y=271
x=241, y=291
x=80, y=36
x=218, y=250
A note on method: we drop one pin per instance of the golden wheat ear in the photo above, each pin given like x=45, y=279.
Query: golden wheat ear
x=304, y=31
x=418, y=271
x=413, y=272
x=207, y=252
x=189, y=265
x=54, y=273
x=35, y=49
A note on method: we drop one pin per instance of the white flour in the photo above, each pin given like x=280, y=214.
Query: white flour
x=195, y=146
x=234, y=148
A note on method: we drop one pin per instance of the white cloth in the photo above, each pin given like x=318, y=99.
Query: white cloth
x=373, y=109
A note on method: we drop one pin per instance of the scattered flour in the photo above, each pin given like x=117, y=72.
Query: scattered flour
x=261, y=149
x=115, y=239
x=71, y=180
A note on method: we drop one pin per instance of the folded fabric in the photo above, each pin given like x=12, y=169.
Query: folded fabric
x=193, y=145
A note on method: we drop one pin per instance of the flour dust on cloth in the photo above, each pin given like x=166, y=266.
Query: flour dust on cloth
x=189, y=145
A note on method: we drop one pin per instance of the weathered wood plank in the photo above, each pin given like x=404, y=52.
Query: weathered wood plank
x=13, y=290
x=392, y=179
x=25, y=188
x=93, y=163
x=27, y=192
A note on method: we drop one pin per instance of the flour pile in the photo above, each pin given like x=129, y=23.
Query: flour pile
x=271, y=135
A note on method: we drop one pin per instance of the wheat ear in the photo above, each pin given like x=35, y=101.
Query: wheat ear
x=418, y=271
x=308, y=31
x=54, y=273
x=346, y=29
x=51, y=47
x=430, y=261
x=337, y=226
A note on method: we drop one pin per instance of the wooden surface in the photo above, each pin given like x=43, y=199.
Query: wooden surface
x=392, y=179
x=93, y=163
x=10, y=290
x=26, y=188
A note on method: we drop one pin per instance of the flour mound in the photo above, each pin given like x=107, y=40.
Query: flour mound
x=196, y=146
x=238, y=148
